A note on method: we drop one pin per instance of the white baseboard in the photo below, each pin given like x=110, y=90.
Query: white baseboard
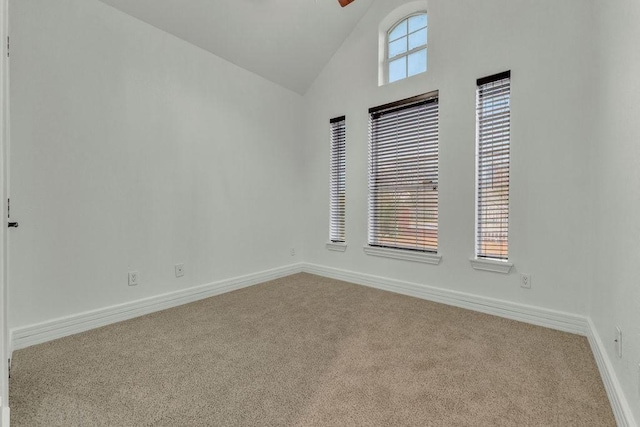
x=562, y=321
x=619, y=403
x=57, y=328
x=46, y=331
x=4, y=422
x=61, y=327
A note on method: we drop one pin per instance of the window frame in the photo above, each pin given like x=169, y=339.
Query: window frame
x=337, y=184
x=429, y=139
x=387, y=61
x=485, y=260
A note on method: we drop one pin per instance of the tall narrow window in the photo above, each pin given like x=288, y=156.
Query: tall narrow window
x=407, y=48
x=493, y=123
x=403, y=174
x=338, y=128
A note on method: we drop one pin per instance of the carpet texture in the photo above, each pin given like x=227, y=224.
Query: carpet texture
x=306, y=350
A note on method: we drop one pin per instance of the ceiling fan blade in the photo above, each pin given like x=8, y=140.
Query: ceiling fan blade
x=343, y=3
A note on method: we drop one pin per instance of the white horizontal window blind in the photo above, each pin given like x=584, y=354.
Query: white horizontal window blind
x=493, y=120
x=338, y=130
x=403, y=174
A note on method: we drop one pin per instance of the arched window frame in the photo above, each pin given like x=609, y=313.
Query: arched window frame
x=390, y=21
x=408, y=52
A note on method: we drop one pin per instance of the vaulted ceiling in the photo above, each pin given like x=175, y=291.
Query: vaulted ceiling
x=285, y=41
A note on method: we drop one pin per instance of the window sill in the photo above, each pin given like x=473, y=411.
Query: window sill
x=336, y=246
x=503, y=267
x=424, y=257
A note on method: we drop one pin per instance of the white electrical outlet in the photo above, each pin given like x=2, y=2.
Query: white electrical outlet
x=618, y=341
x=525, y=281
x=293, y=252
x=133, y=278
x=179, y=270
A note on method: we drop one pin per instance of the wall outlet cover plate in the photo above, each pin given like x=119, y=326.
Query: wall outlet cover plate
x=179, y=270
x=133, y=278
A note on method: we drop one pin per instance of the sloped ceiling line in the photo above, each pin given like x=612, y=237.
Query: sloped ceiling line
x=285, y=41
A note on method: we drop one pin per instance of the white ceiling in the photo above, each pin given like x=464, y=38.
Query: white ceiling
x=285, y=41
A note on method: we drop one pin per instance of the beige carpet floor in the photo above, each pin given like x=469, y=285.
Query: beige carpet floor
x=306, y=350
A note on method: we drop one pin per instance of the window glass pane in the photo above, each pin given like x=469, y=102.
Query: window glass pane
x=397, y=47
x=417, y=22
x=418, y=38
x=417, y=62
x=399, y=31
x=397, y=69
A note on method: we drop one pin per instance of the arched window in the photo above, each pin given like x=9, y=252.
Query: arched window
x=407, y=48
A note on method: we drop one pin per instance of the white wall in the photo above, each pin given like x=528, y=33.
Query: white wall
x=616, y=294
x=545, y=45
x=134, y=150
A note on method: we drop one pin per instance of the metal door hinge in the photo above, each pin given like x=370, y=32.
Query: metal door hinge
x=10, y=224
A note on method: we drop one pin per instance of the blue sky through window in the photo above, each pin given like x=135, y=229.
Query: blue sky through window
x=407, y=48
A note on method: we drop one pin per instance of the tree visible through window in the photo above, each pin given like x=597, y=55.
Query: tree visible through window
x=407, y=48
